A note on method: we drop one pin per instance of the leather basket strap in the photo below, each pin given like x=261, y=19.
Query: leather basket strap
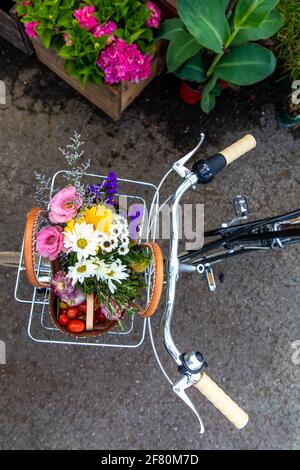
x=29, y=247
x=158, y=279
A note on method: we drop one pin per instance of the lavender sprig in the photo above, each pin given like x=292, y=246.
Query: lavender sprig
x=43, y=185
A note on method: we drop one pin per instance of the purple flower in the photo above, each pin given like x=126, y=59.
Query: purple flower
x=111, y=187
x=61, y=285
x=95, y=190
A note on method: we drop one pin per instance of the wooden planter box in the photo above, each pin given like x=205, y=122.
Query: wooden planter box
x=12, y=30
x=113, y=100
x=167, y=7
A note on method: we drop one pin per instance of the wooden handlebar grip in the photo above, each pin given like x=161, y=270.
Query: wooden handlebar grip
x=221, y=401
x=239, y=148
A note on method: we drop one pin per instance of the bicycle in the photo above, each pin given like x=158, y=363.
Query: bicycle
x=229, y=240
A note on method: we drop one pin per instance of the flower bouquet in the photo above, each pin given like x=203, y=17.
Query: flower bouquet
x=97, y=262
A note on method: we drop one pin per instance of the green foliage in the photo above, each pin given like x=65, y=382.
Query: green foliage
x=56, y=19
x=213, y=40
x=127, y=291
x=287, y=40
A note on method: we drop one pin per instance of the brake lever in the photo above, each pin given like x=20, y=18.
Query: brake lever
x=179, y=165
x=186, y=381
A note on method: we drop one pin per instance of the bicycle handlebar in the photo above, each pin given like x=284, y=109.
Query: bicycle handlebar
x=206, y=170
x=239, y=148
x=202, y=172
x=222, y=401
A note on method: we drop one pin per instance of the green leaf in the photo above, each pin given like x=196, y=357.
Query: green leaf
x=66, y=52
x=71, y=69
x=266, y=29
x=181, y=48
x=208, y=103
x=45, y=37
x=208, y=99
x=193, y=70
x=206, y=21
x=169, y=28
x=251, y=13
x=246, y=64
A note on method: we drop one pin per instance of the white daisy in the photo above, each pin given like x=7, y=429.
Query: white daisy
x=116, y=272
x=83, y=240
x=121, y=222
x=105, y=245
x=115, y=230
x=100, y=269
x=80, y=271
x=124, y=240
x=123, y=250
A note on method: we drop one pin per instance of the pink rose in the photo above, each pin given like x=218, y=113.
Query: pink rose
x=64, y=205
x=49, y=242
x=30, y=29
x=85, y=17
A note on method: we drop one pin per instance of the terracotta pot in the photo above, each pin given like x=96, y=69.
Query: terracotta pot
x=188, y=94
x=191, y=95
x=223, y=84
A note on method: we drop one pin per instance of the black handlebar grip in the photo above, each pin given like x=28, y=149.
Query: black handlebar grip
x=206, y=170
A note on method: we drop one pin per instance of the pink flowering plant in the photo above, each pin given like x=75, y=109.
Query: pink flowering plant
x=103, y=41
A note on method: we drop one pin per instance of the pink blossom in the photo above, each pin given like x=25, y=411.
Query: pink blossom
x=27, y=4
x=122, y=61
x=85, y=17
x=49, y=242
x=154, y=20
x=68, y=40
x=30, y=29
x=117, y=312
x=64, y=205
x=105, y=29
x=61, y=285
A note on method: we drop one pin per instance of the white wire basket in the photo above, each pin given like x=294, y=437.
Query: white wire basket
x=40, y=328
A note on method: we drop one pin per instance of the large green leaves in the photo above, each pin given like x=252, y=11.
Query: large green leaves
x=266, y=29
x=193, y=70
x=169, y=28
x=206, y=21
x=182, y=47
x=251, y=13
x=246, y=64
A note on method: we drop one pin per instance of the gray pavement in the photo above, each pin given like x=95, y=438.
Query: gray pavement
x=57, y=397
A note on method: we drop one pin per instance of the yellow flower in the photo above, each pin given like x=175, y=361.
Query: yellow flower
x=106, y=217
x=100, y=216
x=89, y=216
x=69, y=226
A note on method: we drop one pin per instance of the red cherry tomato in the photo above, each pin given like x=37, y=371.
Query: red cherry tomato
x=63, y=319
x=76, y=326
x=82, y=309
x=100, y=317
x=72, y=312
